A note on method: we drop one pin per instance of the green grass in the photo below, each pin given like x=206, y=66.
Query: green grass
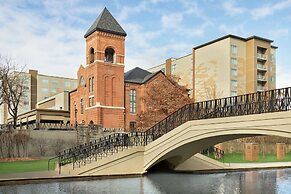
x=25, y=166
x=238, y=158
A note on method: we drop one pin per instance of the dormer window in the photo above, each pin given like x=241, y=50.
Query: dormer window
x=91, y=55
x=109, y=55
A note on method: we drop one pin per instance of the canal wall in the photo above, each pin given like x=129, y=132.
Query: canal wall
x=47, y=143
x=199, y=162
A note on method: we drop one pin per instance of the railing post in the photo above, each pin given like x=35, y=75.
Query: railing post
x=285, y=99
x=59, y=158
x=260, y=102
x=189, y=112
x=73, y=162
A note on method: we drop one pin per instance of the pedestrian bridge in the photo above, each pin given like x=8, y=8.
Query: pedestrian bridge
x=186, y=132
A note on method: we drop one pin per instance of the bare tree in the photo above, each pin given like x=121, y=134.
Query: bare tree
x=21, y=142
x=41, y=145
x=2, y=145
x=58, y=145
x=9, y=143
x=12, y=86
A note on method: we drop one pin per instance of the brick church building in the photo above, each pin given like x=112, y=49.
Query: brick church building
x=105, y=94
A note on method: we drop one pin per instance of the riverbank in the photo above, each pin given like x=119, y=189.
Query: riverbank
x=53, y=176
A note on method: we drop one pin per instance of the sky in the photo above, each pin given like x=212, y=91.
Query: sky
x=47, y=35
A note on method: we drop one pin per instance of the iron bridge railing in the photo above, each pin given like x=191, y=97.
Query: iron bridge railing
x=254, y=103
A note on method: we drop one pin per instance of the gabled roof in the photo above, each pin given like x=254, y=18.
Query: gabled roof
x=138, y=75
x=105, y=22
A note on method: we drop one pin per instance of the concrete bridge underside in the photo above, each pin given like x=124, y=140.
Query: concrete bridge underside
x=186, y=140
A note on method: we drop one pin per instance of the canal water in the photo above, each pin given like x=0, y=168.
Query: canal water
x=249, y=182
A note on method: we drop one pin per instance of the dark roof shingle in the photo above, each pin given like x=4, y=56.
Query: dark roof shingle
x=105, y=22
x=138, y=75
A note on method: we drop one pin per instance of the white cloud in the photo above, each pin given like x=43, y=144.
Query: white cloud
x=278, y=33
x=143, y=6
x=283, y=78
x=194, y=31
x=158, y=1
x=138, y=36
x=261, y=12
x=126, y=11
x=231, y=9
x=140, y=50
x=152, y=55
x=191, y=7
x=270, y=9
x=48, y=45
x=256, y=13
x=238, y=29
x=172, y=20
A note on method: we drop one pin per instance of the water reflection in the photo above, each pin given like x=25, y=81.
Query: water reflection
x=263, y=181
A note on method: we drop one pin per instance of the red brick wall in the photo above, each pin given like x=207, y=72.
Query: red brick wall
x=139, y=102
x=141, y=90
x=73, y=97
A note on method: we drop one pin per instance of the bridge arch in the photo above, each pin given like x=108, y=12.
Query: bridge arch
x=184, y=141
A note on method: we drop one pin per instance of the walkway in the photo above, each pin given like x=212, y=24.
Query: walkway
x=257, y=165
x=29, y=177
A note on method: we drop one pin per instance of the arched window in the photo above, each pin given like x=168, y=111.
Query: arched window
x=91, y=56
x=82, y=81
x=82, y=106
x=91, y=123
x=109, y=55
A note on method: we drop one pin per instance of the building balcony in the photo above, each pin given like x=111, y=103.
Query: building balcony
x=261, y=78
x=233, y=87
x=261, y=56
x=261, y=67
x=261, y=88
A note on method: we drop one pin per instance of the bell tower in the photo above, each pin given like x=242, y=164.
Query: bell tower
x=105, y=32
x=105, y=51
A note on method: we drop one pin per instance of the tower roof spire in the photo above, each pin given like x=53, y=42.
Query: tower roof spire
x=105, y=22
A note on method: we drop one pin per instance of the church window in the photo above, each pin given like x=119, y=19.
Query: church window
x=82, y=106
x=109, y=55
x=132, y=125
x=82, y=81
x=92, y=84
x=132, y=101
x=91, y=55
x=89, y=84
